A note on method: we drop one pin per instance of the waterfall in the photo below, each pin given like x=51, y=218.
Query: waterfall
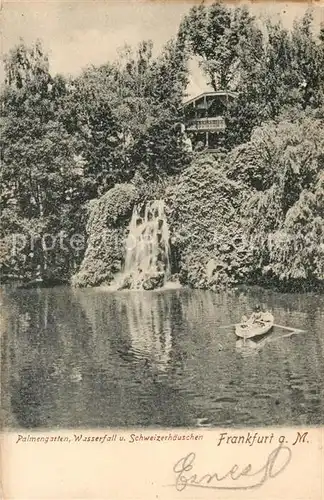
x=147, y=258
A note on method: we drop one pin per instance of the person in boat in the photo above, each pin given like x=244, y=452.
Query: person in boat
x=257, y=316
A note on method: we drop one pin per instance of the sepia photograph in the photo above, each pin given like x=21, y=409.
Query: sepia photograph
x=162, y=216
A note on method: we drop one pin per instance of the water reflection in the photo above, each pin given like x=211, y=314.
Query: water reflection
x=138, y=325
x=79, y=358
x=149, y=327
x=250, y=347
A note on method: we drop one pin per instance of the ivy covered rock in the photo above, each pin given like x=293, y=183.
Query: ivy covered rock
x=107, y=231
x=204, y=217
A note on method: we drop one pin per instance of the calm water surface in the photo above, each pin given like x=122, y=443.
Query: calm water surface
x=92, y=358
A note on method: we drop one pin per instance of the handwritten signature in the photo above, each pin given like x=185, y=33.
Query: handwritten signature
x=246, y=477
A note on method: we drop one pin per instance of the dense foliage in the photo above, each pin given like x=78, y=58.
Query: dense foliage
x=125, y=114
x=284, y=214
x=77, y=154
x=270, y=69
x=66, y=142
x=257, y=216
x=40, y=174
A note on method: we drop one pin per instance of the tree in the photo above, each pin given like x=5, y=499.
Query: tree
x=227, y=42
x=128, y=112
x=40, y=174
x=160, y=146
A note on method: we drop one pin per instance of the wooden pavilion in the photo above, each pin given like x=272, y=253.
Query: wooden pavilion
x=204, y=117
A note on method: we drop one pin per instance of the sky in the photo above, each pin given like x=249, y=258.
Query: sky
x=84, y=32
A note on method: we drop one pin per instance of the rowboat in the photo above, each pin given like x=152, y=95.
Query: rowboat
x=248, y=330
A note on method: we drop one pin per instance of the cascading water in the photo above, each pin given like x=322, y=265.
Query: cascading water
x=147, y=259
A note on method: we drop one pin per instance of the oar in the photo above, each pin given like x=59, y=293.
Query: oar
x=228, y=326
x=289, y=328
x=293, y=332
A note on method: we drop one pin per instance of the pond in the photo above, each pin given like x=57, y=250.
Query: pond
x=94, y=358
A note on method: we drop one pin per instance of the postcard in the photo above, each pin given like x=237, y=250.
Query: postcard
x=162, y=250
